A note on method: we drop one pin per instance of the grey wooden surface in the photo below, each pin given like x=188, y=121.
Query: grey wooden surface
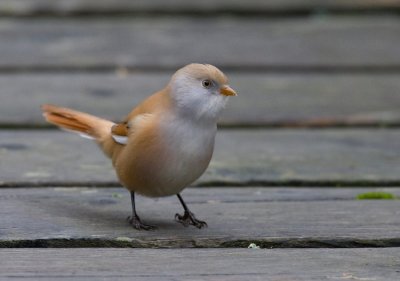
x=159, y=43
x=200, y=264
x=241, y=157
x=81, y=217
x=320, y=64
x=265, y=99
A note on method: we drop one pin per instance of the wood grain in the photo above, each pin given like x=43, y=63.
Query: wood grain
x=264, y=99
x=80, y=217
x=160, y=43
x=294, y=63
x=200, y=264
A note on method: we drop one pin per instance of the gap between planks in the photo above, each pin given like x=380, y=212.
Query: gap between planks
x=272, y=9
x=224, y=184
x=211, y=243
x=275, y=125
x=100, y=68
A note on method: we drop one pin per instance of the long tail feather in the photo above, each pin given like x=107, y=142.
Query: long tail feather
x=86, y=125
x=77, y=121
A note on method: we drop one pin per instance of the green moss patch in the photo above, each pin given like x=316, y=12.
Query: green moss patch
x=376, y=195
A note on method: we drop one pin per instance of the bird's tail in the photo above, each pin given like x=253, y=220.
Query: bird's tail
x=86, y=125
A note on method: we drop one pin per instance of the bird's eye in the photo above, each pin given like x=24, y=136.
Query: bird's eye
x=206, y=83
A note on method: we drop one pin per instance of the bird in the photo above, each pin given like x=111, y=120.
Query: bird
x=165, y=143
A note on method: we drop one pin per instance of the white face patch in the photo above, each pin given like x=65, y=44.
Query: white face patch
x=197, y=101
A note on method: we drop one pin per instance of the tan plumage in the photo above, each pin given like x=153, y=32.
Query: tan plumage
x=166, y=142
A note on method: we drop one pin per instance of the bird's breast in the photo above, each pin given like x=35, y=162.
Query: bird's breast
x=188, y=150
x=168, y=155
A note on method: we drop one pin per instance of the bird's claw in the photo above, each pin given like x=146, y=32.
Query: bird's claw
x=188, y=218
x=138, y=224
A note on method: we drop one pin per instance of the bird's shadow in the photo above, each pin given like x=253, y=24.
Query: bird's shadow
x=100, y=215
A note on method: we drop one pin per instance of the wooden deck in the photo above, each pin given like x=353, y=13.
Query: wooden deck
x=316, y=123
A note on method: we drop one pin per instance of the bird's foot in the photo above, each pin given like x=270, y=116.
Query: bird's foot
x=138, y=224
x=188, y=218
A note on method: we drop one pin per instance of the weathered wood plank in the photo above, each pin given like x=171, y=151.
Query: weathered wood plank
x=241, y=156
x=32, y=7
x=201, y=264
x=171, y=42
x=79, y=217
x=264, y=99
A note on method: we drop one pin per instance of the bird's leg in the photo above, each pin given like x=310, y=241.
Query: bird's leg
x=188, y=217
x=134, y=220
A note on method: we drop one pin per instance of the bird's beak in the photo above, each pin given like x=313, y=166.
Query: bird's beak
x=227, y=91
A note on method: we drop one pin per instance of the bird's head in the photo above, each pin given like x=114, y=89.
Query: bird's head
x=200, y=91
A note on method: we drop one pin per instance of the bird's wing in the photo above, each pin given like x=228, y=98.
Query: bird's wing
x=119, y=132
x=151, y=105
